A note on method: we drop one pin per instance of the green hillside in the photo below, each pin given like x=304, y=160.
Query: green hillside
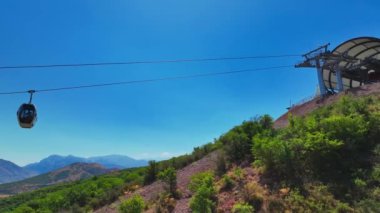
x=75, y=196
x=327, y=161
x=84, y=195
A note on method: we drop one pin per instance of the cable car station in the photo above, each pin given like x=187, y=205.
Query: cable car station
x=351, y=64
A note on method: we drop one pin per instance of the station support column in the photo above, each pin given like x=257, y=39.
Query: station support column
x=321, y=83
x=339, y=79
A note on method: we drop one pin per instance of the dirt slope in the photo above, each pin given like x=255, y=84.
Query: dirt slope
x=152, y=191
x=305, y=108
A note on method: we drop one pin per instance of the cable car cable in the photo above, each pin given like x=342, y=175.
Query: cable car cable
x=147, y=80
x=148, y=62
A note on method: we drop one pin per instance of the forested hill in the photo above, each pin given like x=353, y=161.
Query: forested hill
x=328, y=160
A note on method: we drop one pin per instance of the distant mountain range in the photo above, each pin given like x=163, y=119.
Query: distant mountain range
x=54, y=162
x=10, y=172
x=73, y=172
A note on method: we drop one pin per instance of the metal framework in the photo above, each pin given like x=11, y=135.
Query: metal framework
x=351, y=64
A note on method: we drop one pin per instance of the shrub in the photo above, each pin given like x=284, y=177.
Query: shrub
x=169, y=176
x=253, y=194
x=275, y=205
x=166, y=203
x=197, y=180
x=236, y=146
x=204, y=200
x=201, y=202
x=227, y=183
x=242, y=208
x=24, y=209
x=238, y=174
x=134, y=204
x=237, y=142
x=367, y=205
x=376, y=173
x=319, y=199
x=151, y=173
x=221, y=165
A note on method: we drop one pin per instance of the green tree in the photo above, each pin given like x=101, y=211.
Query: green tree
x=151, y=173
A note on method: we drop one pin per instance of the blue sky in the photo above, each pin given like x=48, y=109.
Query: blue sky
x=160, y=119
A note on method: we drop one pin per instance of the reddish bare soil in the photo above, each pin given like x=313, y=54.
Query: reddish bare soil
x=182, y=206
x=151, y=192
x=305, y=108
x=228, y=198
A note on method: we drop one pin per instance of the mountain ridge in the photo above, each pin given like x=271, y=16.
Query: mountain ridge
x=11, y=172
x=72, y=172
x=54, y=161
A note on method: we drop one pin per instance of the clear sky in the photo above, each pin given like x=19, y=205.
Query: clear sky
x=161, y=119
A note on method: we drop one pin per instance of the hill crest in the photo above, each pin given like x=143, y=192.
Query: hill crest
x=72, y=172
x=54, y=162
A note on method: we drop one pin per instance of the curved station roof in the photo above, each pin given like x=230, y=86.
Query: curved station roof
x=358, y=60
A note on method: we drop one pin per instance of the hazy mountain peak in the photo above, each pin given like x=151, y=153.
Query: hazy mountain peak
x=11, y=172
x=55, y=161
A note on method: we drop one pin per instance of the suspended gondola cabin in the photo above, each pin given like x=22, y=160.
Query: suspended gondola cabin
x=27, y=114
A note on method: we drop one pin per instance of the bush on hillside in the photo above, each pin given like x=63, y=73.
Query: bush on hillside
x=221, y=165
x=197, y=180
x=318, y=200
x=253, y=194
x=227, y=182
x=151, y=173
x=334, y=144
x=242, y=208
x=166, y=203
x=134, y=204
x=24, y=209
x=237, y=142
x=169, y=176
x=204, y=199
